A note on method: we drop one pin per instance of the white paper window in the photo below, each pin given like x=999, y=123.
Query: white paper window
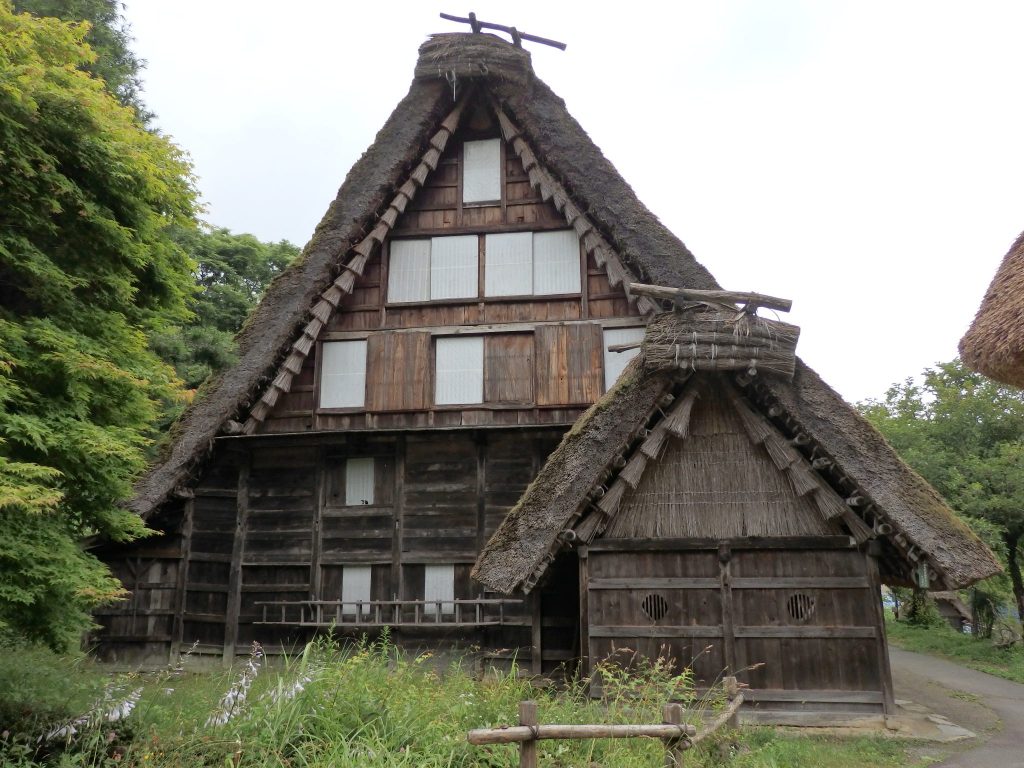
x=481, y=171
x=556, y=262
x=508, y=264
x=343, y=374
x=453, y=267
x=615, y=362
x=355, y=587
x=459, y=370
x=358, y=481
x=409, y=270
x=439, y=584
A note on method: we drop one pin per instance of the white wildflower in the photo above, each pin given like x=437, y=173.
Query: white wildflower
x=234, y=699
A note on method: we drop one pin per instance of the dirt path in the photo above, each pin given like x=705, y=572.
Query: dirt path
x=989, y=706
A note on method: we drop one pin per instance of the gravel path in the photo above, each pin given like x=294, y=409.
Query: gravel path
x=990, y=706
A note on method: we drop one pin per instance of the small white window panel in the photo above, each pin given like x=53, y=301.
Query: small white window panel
x=358, y=482
x=615, y=362
x=409, y=271
x=355, y=587
x=481, y=171
x=343, y=374
x=454, y=267
x=438, y=585
x=556, y=262
x=508, y=264
x=459, y=370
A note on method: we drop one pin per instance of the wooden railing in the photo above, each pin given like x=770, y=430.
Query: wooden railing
x=674, y=733
x=391, y=613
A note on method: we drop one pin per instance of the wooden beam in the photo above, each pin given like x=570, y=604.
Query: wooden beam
x=536, y=648
x=881, y=646
x=751, y=300
x=235, y=573
x=742, y=543
x=319, y=500
x=181, y=586
x=398, y=505
x=728, y=629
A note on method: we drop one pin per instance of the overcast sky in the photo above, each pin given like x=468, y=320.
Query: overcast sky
x=864, y=159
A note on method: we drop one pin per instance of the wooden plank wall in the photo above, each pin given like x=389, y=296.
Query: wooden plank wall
x=798, y=623
x=273, y=524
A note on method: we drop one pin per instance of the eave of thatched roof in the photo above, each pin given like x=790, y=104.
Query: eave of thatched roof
x=525, y=543
x=994, y=344
x=906, y=498
x=502, y=73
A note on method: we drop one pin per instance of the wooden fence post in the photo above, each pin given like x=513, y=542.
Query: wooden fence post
x=732, y=689
x=528, y=748
x=673, y=713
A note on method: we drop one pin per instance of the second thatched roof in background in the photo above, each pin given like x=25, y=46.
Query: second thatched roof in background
x=994, y=344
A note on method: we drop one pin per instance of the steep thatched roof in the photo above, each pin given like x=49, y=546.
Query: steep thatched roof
x=526, y=541
x=505, y=74
x=994, y=344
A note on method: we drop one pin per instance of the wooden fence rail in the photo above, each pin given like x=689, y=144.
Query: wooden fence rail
x=676, y=735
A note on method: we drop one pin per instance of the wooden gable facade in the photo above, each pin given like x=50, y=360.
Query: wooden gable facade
x=433, y=377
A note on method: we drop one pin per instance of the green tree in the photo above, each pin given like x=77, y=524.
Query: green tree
x=965, y=434
x=109, y=37
x=87, y=272
x=232, y=273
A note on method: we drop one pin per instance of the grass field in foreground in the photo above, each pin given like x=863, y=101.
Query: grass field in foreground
x=366, y=705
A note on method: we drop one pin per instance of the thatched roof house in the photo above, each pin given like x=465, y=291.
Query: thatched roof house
x=994, y=344
x=395, y=406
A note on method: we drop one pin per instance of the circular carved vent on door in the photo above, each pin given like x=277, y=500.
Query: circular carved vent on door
x=654, y=606
x=800, y=606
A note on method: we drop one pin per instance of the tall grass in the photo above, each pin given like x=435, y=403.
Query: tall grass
x=365, y=705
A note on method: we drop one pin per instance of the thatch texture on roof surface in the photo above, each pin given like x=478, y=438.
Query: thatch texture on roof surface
x=575, y=466
x=649, y=249
x=910, y=502
x=994, y=344
x=513, y=554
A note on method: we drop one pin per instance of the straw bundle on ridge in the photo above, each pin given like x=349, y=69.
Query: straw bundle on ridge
x=707, y=339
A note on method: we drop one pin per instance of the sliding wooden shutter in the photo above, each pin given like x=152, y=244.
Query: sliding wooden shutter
x=568, y=364
x=398, y=371
x=508, y=368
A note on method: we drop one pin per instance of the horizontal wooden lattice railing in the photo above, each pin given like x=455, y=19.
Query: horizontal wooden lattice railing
x=482, y=612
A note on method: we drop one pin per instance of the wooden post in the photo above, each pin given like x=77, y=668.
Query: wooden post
x=398, y=505
x=181, y=586
x=319, y=501
x=673, y=714
x=584, y=617
x=536, y=625
x=732, y=689
x=878, y=614
x=528, y=748
x=728, y=634
x=235, y=573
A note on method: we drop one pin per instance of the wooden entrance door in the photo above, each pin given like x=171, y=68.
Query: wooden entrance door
x=795, y=618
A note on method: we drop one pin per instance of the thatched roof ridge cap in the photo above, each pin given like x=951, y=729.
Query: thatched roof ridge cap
x=455, y=55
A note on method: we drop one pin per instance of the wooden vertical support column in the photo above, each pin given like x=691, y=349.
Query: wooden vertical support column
x=584, y=612
x=319, y=498
x=874, y=550
x=528, y=748
x=237, y=552
x=536, y=625
x=674, y=747
x=398, y=505
x=728, y=635
x=181, y=587
x=481, y=491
